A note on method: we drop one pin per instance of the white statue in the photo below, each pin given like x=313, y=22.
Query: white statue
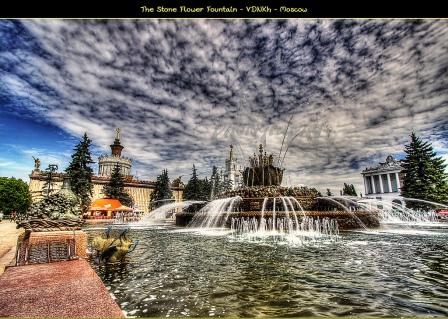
x=117, y=134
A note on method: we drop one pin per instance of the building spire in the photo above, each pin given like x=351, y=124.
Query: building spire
x=117, y=134
x=117, y=147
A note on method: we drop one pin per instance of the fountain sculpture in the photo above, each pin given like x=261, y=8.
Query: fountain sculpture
x=262, y=171
x=263, y=205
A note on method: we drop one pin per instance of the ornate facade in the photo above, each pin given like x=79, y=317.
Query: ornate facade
x=383, y=182
x=139, y=190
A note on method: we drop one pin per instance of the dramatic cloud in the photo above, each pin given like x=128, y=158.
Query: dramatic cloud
x=182, y=91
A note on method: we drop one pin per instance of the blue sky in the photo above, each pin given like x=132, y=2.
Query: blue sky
x=183, y=90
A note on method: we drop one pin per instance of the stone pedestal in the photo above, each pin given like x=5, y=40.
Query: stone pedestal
x=52, y=246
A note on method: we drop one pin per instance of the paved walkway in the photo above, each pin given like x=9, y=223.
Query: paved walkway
x=8, y=242
x=60, y=289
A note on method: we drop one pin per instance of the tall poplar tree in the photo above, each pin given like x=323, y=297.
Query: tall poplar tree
x=424, y=174
x=80, y=173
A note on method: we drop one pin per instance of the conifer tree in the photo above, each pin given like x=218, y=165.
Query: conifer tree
x=349, y=190
x=424, y=174
x=192, y=189
x=80, y=173
x=205, y=189
x=216, y=183
x=162, y=190
x=115, y=188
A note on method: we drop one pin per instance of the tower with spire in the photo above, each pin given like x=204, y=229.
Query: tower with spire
x=233, y=170
x=107, y=163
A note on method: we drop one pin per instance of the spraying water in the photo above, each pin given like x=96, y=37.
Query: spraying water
x=215, y=213
x=163, y=212
x=281, y=218
x=332, y=200
x=390, y=212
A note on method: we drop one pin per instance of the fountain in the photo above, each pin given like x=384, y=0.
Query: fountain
x=267, y=250
x=263, y=204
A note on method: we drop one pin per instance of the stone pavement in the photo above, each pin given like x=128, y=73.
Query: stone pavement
x=8, y=243
x=60, y=289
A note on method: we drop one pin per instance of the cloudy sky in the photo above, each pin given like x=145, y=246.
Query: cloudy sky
x=183, y=90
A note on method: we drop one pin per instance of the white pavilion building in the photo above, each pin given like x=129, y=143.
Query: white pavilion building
x=383, y=182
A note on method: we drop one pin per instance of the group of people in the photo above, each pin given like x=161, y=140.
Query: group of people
x=127, y=217
x=12, y=216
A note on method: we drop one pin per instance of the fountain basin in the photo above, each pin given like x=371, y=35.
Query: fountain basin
x=346, y=220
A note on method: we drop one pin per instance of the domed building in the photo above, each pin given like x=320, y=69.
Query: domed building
x=139, y=190
x=107, y=163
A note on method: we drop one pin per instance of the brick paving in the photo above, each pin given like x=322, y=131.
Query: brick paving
x=60, y=289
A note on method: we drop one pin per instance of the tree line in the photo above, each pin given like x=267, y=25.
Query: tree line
x=424, y=177
x=196, y=188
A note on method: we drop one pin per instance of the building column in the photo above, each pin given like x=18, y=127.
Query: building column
x=365, y=185
x=372, y=182
x=398, y=181
x=381, y=183
x=389, y=183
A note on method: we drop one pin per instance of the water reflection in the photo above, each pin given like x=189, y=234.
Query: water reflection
x=177, y=274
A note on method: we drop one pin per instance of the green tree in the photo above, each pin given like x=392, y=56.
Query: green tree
x=216, y=183
x=162, y=190
x=192, y=189
x=47, y=187
x=205, y=189
x=115, y=188
x=329, y=193
x=80, y=172
x=14, y=196
x=349, y=190
x=424, y=174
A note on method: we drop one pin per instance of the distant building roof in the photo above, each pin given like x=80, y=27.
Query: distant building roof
x=109, y=204
x=391, y=164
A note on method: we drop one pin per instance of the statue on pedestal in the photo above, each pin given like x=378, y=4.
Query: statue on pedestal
x=36, y=164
